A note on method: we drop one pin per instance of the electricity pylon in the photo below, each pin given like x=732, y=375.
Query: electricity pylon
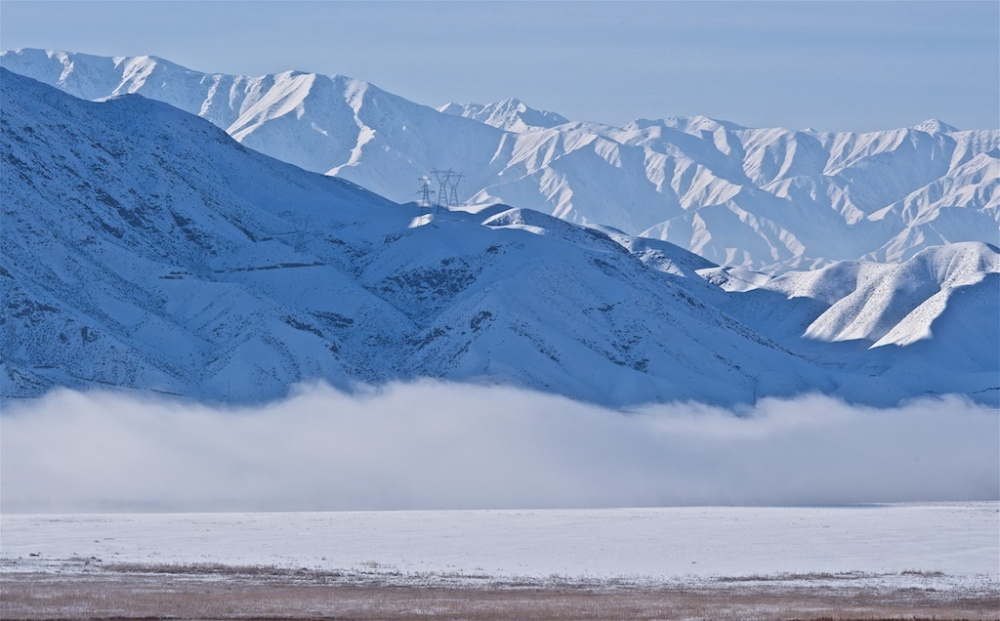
x=443, y=177
x=448, y=180
x=425, y=191
x=453, y=196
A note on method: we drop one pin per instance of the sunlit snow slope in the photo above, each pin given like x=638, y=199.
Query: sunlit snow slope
x=769, y=199
x=144, y=248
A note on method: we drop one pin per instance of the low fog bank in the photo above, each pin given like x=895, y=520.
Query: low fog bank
x=432, y=445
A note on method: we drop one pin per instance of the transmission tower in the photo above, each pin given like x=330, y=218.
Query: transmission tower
x=443, y=178
x=453, y=196
x=425, y=191
x=448, y=180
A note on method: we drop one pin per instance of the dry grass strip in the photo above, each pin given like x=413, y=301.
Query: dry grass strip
x=263, y=595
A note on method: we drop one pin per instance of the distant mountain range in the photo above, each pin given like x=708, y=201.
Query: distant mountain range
x=766, y=199
x=143, y=248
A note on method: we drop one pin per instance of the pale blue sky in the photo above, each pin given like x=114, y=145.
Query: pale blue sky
x=827, y=65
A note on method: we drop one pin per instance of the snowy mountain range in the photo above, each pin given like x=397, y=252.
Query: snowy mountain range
x=144, y=248
x=765, y=199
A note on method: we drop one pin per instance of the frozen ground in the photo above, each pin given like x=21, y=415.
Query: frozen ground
x=941, y=546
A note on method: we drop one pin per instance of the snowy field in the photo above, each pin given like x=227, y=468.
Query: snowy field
x=944, y=545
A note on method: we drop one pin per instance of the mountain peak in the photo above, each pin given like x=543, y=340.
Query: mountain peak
x=686, y=124
x=935, y=126
x=507, y=114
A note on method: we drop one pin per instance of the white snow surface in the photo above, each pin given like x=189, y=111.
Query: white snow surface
x=924, y=545
x=764, y=198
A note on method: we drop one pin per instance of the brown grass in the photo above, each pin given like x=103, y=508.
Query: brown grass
x=223, y=592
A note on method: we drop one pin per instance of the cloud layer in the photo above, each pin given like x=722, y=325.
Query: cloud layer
x=434, y=445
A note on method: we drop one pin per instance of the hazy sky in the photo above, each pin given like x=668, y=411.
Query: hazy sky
x=826, y=65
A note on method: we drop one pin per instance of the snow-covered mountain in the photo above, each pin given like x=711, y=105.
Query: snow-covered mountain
x=143, y=248
x=767, y=199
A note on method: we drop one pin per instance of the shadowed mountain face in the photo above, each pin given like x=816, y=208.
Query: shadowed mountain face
x=144, y=248
x=772, y=199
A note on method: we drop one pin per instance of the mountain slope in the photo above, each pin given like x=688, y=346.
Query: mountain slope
x=928, y=325
x=770, y=199
x=896, y=304
x=143, y=248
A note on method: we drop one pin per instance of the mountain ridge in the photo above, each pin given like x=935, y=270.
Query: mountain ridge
x=767, y=199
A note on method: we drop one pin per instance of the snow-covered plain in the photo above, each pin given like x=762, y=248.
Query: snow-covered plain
x=919, y=545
